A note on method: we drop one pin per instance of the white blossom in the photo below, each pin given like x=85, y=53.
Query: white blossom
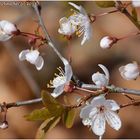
x=98, y=112
x=136, y=3
x=4, y=125
x=100, y=79
x=6, y=30
x=33, y=57
x=78, y=23
x=66, y=28
x=107, y=42
x=130, y=71
x=61, y=80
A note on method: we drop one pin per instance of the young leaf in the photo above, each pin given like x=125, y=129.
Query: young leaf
x=134, y=14
x=68, y=117
x=51, y=104
x=38, y=114
x=46, y=126
x=105, y=4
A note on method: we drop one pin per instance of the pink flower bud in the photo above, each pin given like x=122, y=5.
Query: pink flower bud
x=107, y=42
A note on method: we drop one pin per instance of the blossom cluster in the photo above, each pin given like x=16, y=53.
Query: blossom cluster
x=100, y=110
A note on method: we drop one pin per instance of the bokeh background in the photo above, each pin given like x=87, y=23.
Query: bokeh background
x=21, y=81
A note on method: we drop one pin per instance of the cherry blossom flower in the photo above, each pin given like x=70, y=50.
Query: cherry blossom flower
x=78, y=22
x=61, y=80
x=6, y=30
x=136, y=3
x=107, y=42
x=33, y=57
x=66, y=28
x=101, y=79
x=98, y=112
x=130, y=71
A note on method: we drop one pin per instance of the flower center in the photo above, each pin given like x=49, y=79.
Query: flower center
x=101, y=109
x=60, y=79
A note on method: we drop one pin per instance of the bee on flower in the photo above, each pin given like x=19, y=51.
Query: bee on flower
x=62, y=80
x=78, y=23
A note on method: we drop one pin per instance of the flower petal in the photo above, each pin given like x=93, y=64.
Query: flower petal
x=112, y=105
x=105, y=70
x=22, y=55
x=113, y=119
x=87, y=33
x=32, y=56
x=58, y=91
x=39, y=63
x=87, y=122
x=85, y=111
x=99, y=100
x=98, y=125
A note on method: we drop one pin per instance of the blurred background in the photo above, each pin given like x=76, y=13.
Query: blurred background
x=21, y=81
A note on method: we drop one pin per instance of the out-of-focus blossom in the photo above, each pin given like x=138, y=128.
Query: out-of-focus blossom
x=78, y=22
x=7, y=30
x=136, y=3
x=33, y=57
x=130, y=71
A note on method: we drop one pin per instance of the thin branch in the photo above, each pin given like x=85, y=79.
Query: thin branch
x=122, y=9
x=112, y=89
x=22, y=103
x=50, y=42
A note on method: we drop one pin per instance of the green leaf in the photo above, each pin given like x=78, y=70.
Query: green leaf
x=51, y=104
x=46, y=126
x=105, y=4
x=134, y=14
x=38, y=114
x=69, y=117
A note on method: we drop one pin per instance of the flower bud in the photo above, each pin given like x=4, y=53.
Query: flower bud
x=130, y=71
x=4, y=125
x=100, y=79
x=107, y=42
x=7, y=30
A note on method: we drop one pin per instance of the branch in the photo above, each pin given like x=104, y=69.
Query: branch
x=21, y=103
x=112, y=89
x=122, y=9
x=50, y=42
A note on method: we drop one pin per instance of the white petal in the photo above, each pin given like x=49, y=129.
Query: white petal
x=85, y=111
x=39, y=63
x=105, y=70
x=80, y=8
x=22, y=55
x=68, y=73
x=87, y=33
x=87, y=122
x=98, y=125
x=113, y=119
x=112, y=105
x=58, y=91
x=7, y=26
x=32, y=56
x=99, y=100
x=5, y=37
x=75, y=6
